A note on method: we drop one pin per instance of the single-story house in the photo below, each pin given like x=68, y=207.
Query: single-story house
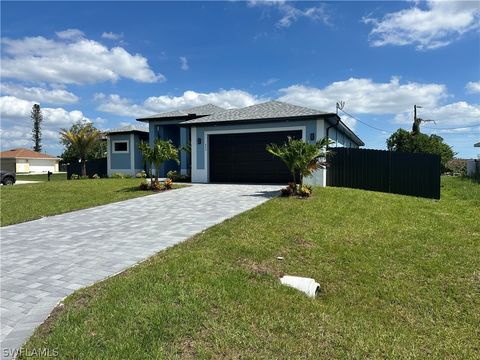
x=28, y=161
x=229, y=145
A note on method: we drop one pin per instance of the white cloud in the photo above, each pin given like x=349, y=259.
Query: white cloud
x=363, y=96
x=117, y=105
x=112, y=36
x=473, y=87
x=70, y=34
x=291, y=14
x=71, y=60
x=39, y=95
x=270, y=81
x=184, y=63
x=456, y=114
x=13, y=108
x=16, y=123
x=440, y=23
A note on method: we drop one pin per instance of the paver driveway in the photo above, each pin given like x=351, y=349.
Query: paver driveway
x=43, y=261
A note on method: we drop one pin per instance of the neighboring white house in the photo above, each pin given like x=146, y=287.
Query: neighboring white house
x=28, y=161
x=474, y=163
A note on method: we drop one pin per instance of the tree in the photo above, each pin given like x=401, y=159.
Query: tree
x=82, y=142
x=37, y=118
x=70, y=154
x=404, y=141
x=301, y=157
x=161, y=151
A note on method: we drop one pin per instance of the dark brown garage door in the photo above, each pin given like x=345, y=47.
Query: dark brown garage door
x=242, y=158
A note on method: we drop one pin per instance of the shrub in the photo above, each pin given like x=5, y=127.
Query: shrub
x=141, y=175
x=286, y=191
x=144, y=185
x=167, y=184
x=156, y=186
x=175, y=176
x=95, y=176
x=120, y=175
x=456, y=167
x=305, y=191
x=74, y=177
x=172, y=174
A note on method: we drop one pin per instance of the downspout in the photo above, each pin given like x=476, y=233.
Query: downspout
x=334, y=125
x=328, y=128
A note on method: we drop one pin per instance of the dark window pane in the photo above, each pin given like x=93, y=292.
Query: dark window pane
x=121, y=146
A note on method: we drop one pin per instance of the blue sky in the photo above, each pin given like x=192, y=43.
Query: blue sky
x=110, y=62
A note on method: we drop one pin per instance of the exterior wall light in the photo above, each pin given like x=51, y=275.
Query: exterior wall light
x=312, y=136
x=199, y=141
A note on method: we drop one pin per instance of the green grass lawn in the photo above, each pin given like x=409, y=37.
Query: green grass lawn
x=21, y=203
x=400, y=278
x=42, y=177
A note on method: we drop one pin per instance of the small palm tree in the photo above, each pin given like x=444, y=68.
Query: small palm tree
x=160, y=152
x=301, y=157
x=82, y=142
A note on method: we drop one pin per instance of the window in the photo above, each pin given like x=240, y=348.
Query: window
x=120, y=146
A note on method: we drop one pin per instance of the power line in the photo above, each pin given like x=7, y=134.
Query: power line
x=364, y=123
x=452, y=128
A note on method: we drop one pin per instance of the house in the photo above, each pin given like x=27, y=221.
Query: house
x=28, y=161
x=123, y=155
x=229, y=145
x=474, y=164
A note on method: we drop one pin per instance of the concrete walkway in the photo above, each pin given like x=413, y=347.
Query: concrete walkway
x=43, y=261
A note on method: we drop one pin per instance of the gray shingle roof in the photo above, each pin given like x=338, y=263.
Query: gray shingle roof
x=202, y=110
x=128, y=129
x=269, y=110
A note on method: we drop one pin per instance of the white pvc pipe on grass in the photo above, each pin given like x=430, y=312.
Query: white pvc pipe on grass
x=307, y=285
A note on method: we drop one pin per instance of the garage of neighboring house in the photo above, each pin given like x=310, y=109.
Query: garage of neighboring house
x=28, y=161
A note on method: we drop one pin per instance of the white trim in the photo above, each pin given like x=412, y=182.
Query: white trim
x=120, y=152
x=132, y=153
x=198, y=175
x=202, y=175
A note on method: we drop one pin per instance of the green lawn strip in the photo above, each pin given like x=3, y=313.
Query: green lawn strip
x=26, y=202
x=42, y=177
x=400, y=278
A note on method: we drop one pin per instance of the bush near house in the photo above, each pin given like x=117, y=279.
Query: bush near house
x=456, y=167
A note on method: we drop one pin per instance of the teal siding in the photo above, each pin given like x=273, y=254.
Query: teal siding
x=138, y=154
x=120, y=161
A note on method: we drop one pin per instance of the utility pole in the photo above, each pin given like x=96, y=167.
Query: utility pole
x=417, y=121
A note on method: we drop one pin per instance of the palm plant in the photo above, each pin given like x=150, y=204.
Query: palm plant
x=156, y=155
x=301, y=157
x=82, y=142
